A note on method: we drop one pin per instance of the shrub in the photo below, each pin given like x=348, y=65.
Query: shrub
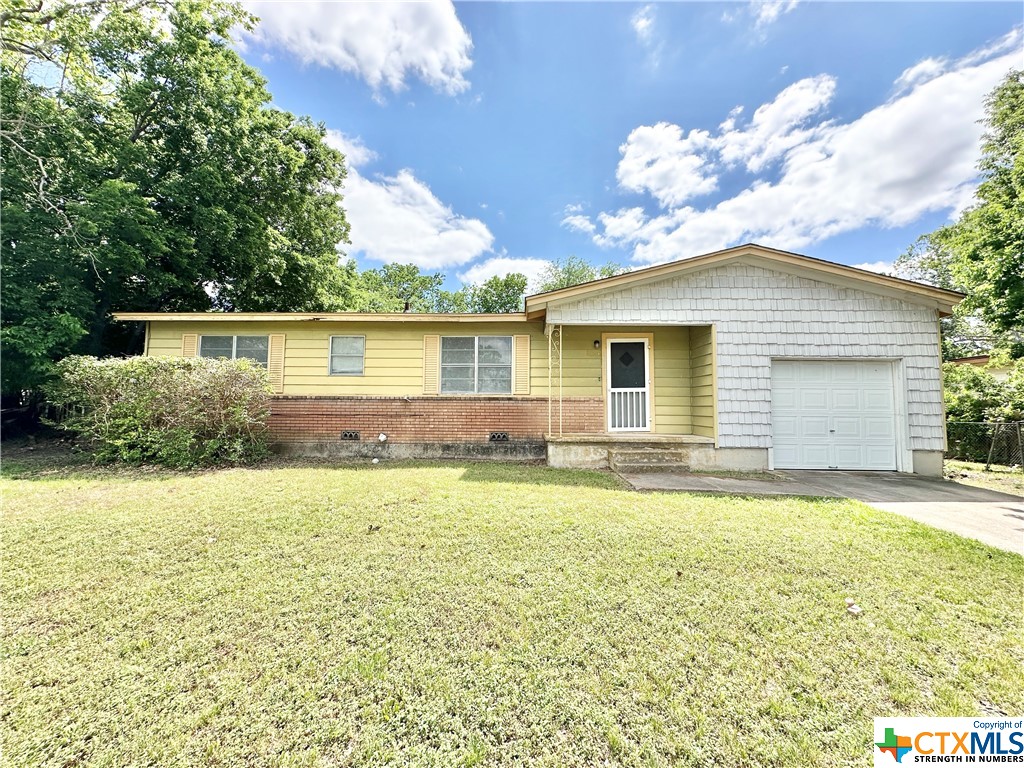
x=970, y=392
x=175, y=411
x=1012, y=408
x=974, y=394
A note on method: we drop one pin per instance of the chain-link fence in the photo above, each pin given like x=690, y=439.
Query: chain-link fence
x=988, y=442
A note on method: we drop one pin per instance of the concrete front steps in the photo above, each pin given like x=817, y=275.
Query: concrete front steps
x=650, y=459
x=631, y=452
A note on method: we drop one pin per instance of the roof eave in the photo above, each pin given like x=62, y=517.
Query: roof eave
x=334, y=317
x=939, y=298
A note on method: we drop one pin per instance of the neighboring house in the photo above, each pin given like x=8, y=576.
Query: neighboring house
x=748, y=358
x=999, y=372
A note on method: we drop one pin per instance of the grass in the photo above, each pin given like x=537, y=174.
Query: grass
x=996, y=478
x=472, y=614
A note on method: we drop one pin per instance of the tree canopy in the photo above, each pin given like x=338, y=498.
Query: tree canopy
x=573, y=270
x=397, y=287
x=975, y=394
x=144, y=169
x=982, y=253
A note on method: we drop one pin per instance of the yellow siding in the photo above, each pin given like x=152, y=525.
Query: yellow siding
x=672, y=387
x=683, y=378
x=703, y=381
x=581, y=363
x=393, y=357
x=583, y=369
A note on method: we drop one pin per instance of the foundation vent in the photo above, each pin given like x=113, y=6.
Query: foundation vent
x=350, y=434
x=499, y=437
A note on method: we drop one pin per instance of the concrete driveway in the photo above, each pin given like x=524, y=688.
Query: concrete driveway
x=989, y=516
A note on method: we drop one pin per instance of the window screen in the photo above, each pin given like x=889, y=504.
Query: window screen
x=476, y=364
x=347, y=355
x=232, y=347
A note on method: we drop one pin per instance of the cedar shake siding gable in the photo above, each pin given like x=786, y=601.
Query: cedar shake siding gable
x=759, y=314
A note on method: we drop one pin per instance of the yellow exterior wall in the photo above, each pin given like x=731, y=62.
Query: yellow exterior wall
x=702, y=395
x=393, y=362
x=583, y=369
x=682, y=393
x=672, y=385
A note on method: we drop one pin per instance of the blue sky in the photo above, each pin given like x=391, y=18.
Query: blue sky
x=487, y=137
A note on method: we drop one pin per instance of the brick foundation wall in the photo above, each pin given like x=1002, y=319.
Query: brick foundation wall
x=427, y=419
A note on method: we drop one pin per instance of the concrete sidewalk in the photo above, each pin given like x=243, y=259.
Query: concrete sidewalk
x=989, y=516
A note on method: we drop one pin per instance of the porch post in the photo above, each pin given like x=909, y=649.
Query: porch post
x=559, y=348
x=547, y=332
x=554, y=334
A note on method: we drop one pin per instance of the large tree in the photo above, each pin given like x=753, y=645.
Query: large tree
x=402, y=287
x=397, y=288
x=498, y=294
x=965, y=332
x=573, y=270
x=982, y=253
x=144, y=169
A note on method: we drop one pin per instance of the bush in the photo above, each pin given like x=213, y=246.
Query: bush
x=1012, y=408
x=175, y=411
x=974, y=394
x=971, y=393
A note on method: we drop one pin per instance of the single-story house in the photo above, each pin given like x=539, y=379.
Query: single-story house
x=748, y=358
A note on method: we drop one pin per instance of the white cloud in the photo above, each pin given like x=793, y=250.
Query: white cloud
x=643, y=23
x=579, y=223
x=624, y=226
x=912, y=155
x=674, y=168
x=922, y=72
x=776, y=126
x=882, y=267
x=768, y=11
x=382, y=42
x=399, y=219
x=658, y=159
x=355, y=151
x=504, y=265
x=763, y=13
x=1012, y=41
x=930, y=68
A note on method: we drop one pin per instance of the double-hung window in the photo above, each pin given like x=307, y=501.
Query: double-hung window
x=476, y=364
x=347, y=355
x=233, y=347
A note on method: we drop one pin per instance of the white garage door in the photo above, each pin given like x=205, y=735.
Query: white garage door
x=833, y=415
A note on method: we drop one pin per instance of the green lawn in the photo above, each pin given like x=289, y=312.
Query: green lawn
x=476, y=614
x=996, y=477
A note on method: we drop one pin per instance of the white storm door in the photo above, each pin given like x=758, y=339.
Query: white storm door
x=833, y=414
x=629, y=377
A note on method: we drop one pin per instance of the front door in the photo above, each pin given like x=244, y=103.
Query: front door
x=628, y=377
